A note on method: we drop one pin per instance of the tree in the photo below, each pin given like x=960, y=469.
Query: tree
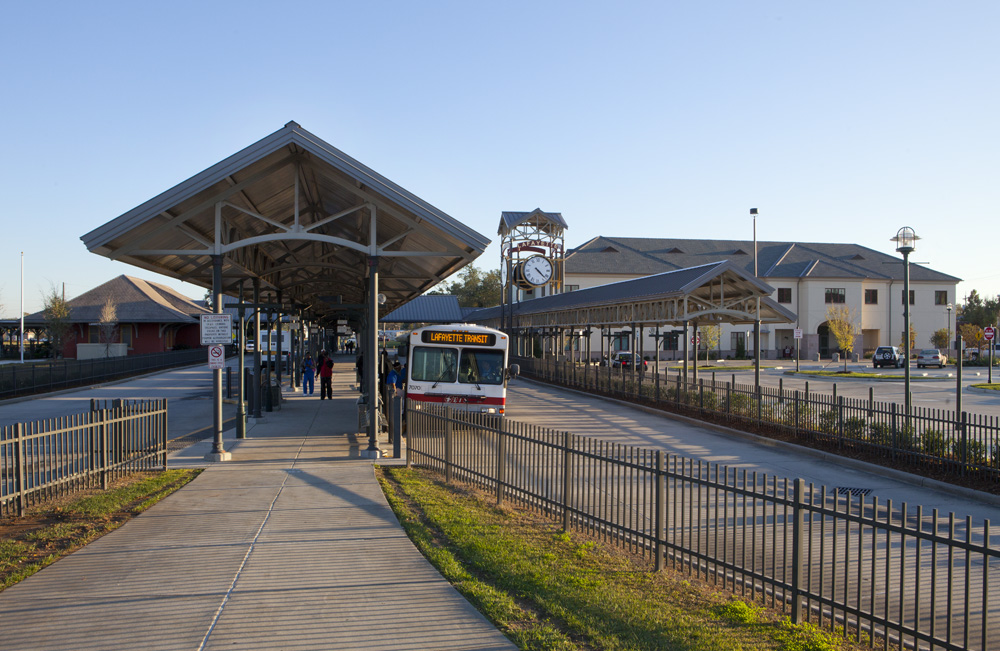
x=710, y=336
x=57, y=312
x=108, y=325
x=474, y=288
x=941, y=338
x=972, y=335
x=913, y=338
x=843, y=324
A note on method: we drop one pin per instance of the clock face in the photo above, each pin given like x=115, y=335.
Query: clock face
x=503, y=273
x=537, y=270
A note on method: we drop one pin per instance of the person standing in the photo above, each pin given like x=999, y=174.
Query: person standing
x=308, y=375
x=326, y=380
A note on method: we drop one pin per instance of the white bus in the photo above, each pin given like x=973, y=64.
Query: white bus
x=459, y=364
x=269, y=349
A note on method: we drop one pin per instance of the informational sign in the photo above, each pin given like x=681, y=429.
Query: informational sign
x=216, y=357
x=797, y=333
x=696, y=340
x=458, y=337
x=988, y=332
x=216, y=329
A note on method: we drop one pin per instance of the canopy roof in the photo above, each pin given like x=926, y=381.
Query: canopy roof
x=301, y=216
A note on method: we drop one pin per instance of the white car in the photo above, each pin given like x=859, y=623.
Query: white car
x=931, y=357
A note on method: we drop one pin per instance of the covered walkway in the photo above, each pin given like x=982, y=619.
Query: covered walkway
x=291, y=545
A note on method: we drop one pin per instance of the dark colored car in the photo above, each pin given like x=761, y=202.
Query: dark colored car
x=624, y=360
x=887, y=356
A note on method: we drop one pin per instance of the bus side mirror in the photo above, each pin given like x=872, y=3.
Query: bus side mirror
x=513, y=370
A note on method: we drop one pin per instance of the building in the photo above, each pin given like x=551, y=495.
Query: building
x=149, y=318
x=808, y=278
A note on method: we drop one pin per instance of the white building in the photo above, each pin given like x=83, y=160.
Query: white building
x=808, y=278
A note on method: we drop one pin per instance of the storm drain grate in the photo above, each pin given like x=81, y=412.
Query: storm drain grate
x=846, y=490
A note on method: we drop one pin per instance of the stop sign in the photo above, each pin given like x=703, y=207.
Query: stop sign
x=988, y=332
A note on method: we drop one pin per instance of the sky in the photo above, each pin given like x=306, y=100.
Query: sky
x=839, y=122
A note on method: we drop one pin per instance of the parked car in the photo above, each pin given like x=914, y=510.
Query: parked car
x=624, y=360
x=887, y=356
x=931, y=357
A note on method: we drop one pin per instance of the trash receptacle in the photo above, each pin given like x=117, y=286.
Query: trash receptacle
x=836, y=358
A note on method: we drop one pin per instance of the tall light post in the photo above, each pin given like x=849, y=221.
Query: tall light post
x=949, y=307
x=905, y=243
x=756, y=321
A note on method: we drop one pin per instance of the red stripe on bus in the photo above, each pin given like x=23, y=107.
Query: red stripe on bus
x=454, y=398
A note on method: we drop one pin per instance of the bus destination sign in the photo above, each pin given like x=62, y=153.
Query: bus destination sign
x=458, y=337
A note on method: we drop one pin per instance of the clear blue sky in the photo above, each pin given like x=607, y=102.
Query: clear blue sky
x=838, y=121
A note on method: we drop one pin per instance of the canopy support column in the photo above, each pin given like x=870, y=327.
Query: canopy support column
x=241, y=397
x=218, y=452
x=371, y=359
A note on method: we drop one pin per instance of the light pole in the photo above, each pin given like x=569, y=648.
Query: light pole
x=949, y=307
x=756, y=321
x=905, y=243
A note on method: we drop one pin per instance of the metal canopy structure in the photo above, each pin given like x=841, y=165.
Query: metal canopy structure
x=718, y=292
x=302, y=217
x=325, y=236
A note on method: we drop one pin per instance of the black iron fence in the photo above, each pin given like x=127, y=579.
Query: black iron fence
x=935, y=442
x=48, y=458
x=43, y=376
x=880, y=573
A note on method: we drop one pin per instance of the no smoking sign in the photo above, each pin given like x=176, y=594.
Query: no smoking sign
x=216, y=357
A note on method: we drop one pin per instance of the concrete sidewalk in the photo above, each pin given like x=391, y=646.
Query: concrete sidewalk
x=291, y=545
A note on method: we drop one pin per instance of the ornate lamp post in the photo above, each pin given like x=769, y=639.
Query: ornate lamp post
x=905, y=243
x=949, y=307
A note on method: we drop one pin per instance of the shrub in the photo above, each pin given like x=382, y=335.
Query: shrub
x=933, y=442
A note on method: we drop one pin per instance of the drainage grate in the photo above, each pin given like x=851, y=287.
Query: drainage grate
x=845, y=490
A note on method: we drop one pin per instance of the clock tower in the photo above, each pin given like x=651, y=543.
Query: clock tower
x=531, y=257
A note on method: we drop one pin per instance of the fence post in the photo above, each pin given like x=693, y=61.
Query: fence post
x=661, y=512
x=840, y=420
x=893, y=439
x=103, y=415
x=397, y=426
x=796, y=410
x=20, y=460
x=798, y=547
x=163, y=431
x=567, y=478
x=501, y=461
x=760, y=405
x=729, y=397
x=965, y=440
x=447, y=445
x=701, y=395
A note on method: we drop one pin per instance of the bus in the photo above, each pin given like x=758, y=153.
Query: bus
x=269, y=349
x=459, y=364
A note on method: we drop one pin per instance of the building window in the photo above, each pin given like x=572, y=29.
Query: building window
x=871, y=297
x=672, y=341
x=941, y=298
x=572, y=288
x=93, y=334
x=738, y=341
x=836, y=295
x=902, y=297
x=126, y=334
x=784, y=294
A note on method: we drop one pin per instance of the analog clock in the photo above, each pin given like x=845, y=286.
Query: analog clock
x=503, y=273
x=537, y=270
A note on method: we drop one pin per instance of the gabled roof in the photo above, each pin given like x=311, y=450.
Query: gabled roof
x=429, y=308
x=643, y=256
x=300, y=215
x=670, y=285
x=509, y=220
x=136, y=301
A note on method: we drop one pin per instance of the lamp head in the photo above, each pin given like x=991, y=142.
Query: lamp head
x=753, y=211
x=905, y=240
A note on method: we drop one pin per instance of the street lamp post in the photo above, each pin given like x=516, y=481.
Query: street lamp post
x=756, y=322
x=905, y=243
x=949, y=307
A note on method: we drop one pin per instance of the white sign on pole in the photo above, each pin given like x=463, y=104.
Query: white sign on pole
x=216, y=357
x=216, y=329
x=797, y=333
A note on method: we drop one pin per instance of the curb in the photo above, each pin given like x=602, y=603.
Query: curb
x=899, y=475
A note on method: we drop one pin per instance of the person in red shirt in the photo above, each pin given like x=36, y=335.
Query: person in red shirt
x=326, y=380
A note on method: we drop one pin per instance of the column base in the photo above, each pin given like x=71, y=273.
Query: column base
x=371, y=454
x=219, y=456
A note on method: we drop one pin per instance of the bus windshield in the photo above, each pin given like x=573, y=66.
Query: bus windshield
x=434, y=364
x=481, y=367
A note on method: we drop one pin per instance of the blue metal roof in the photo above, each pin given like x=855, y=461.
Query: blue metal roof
x=429, y=308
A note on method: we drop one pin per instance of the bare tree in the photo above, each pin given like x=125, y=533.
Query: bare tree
x=57, y=313
x=843, y=324
x=109, y=325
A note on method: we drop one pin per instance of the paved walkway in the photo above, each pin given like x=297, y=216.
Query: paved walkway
x=291, y=545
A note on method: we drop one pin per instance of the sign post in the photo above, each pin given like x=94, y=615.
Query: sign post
x=797, y=334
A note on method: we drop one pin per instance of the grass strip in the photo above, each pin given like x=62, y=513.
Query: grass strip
x=548, y=589
x=47, y=534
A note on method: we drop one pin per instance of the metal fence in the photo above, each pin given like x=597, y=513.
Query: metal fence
x=934, y=442
x=40, y=377
x=48, y=458
x=880, y=573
